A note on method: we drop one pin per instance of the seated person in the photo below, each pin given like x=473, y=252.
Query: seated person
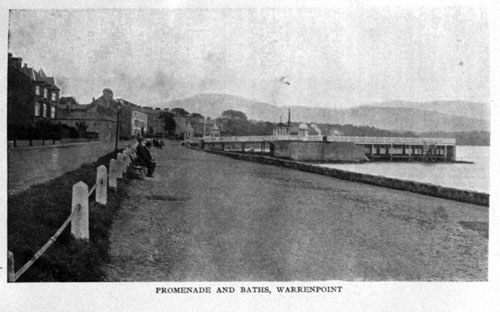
x=144, y=157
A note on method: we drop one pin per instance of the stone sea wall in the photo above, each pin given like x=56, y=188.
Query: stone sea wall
x=476, y=198
x=32, y=165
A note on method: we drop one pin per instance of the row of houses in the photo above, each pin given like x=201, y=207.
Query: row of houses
x=34, y=97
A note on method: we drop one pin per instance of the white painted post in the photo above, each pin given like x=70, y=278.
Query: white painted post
x=126, y=154
x=101, y=191
x=123, y=164
x=119, y=166
x=112, y=174
x=128, y=157
x=11, y=274
x=80, y=208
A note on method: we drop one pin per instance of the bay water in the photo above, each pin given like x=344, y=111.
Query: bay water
x=464, y=176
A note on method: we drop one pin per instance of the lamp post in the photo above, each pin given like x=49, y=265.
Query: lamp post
x=117, y=127
x=204, y=125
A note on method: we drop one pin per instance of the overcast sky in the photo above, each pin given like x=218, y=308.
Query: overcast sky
x=328, y=57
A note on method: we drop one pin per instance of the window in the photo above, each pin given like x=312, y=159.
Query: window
x=37, y=90
x=44, y=110
x=53, y=112
x=54, y=96
x=37, y=109
x=96, y=124
x=45, y=92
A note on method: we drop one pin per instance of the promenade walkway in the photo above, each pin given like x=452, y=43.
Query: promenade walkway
x=206, y=217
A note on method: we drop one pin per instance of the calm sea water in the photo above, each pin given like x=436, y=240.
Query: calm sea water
x=474, y=177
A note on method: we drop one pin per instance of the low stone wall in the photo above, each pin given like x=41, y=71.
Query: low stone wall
x=32, y=165
x=47, y=142
x=476, y=198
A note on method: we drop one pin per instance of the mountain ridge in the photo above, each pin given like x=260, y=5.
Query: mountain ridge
x=415, y=116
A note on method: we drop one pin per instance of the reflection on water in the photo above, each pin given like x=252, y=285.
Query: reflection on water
x=474, y=177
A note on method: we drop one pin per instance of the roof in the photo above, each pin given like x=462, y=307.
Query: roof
x=82, y=115
x=39, y=76
x=303, y=126
x=79, y=107
x=281, y=125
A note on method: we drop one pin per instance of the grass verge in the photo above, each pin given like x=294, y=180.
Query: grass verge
x=34, y=215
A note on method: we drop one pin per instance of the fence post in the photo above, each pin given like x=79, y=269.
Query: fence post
x=11, y=274
x=101, y=191
x=112, y=174
x=119, y=166
x=125, y=158
x=80, y=208
x=122, y=167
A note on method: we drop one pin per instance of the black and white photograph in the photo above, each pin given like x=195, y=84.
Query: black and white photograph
x=298, y=153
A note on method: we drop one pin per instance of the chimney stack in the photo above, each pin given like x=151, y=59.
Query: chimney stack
x=17, y=61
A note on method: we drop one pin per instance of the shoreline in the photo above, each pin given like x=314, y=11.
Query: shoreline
x=466, y=196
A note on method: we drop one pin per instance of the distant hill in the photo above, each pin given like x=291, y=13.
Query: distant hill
x=213, y=105
x=412, y=119
x=409, y=116
x=456, y=108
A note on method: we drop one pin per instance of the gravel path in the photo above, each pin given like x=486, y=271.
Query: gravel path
x=206, y=217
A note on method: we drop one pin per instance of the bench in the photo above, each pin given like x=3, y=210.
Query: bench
x=136, y=171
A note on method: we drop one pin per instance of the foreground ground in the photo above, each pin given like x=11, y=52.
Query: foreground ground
x=210, y=218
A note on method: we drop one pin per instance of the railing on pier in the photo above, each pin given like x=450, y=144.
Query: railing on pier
x=353, y=139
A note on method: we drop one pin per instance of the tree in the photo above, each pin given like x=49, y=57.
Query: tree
x=168, y=122
x=68, y=100
x=234, y=114
x=82, y=129
x=196, y=116
x=234, y=122
x=179, y=112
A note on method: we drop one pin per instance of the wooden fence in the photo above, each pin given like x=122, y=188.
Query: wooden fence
x=79, y=217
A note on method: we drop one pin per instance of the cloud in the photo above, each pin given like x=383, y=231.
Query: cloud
x=333, y=59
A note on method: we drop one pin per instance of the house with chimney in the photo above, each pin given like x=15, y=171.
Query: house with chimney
x=133, y=119
x=32, y=96
x=98, y=118
x=155, y=122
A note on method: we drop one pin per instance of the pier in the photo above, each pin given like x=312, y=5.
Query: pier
x=340, y=148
